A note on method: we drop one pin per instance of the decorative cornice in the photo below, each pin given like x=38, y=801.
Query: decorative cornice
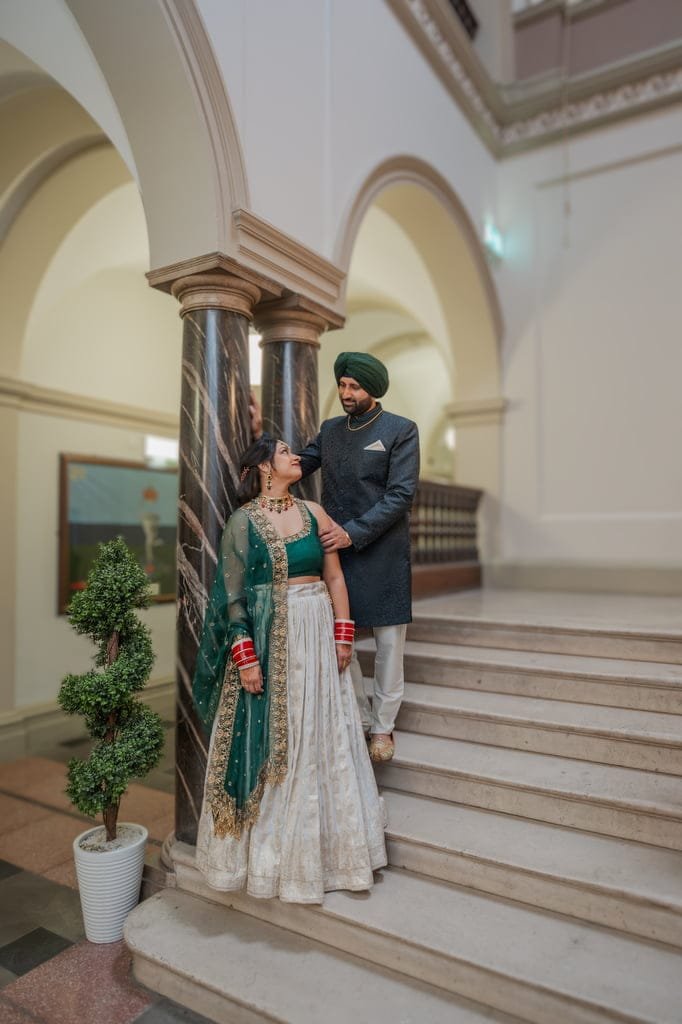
x=599, y=108
x=264, y=248
x=571, y=11
x=446, y=47
x=508, y=122
x=164, y=277
x=44, y=401
x=283, y=288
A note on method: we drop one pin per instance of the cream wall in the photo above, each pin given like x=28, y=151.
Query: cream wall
x=592, y=296
x=387, y=263
x=393, y=311
x=47, y=31
x=364, y=93
x=46, y=648
x=95, y=326
x=94, y=330
x=308, y=140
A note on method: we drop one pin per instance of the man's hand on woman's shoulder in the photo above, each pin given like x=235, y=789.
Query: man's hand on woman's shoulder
x=332, y=535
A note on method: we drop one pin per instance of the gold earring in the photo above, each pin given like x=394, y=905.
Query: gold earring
x=269, y=482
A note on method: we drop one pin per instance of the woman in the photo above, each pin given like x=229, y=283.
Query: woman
x=291, y=807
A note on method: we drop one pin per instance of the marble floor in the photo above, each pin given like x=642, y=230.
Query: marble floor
x=49, y=972
x=618, y=612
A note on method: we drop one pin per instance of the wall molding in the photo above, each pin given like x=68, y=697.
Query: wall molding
x=515, y=118
x=279, y=266
x=264, y=248
x=35, y=398
x=30, y=730
x=572, y=11
x=403, y=169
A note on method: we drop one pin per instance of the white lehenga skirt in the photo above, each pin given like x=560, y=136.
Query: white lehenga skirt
x=322, y=828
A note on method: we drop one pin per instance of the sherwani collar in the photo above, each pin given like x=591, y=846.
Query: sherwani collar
x=365, y=417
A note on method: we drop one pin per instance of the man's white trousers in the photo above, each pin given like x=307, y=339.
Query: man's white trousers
x=388, y=683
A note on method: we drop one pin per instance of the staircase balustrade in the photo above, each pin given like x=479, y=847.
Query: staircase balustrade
x=443, y=525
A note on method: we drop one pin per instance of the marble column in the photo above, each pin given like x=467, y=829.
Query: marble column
x=214, y=429
x=290, y=398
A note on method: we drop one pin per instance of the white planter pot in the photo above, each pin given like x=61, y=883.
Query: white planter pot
x=109, y=882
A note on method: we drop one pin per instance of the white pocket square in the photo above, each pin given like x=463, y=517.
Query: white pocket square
x=375, y=446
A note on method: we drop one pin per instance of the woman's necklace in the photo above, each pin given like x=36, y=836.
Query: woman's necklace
x=280, y=505
x=363, y=425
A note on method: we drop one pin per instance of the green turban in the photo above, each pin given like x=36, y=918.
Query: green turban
x=369, y=372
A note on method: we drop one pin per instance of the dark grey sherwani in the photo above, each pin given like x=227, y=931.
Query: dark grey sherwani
x=369, y=478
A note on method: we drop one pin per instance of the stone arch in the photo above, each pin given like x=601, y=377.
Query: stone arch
x=63, y=164
x=429, y=212
x=170, y=118
x=410, y=170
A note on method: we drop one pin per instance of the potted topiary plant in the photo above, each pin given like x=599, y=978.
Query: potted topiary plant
x=128, y=736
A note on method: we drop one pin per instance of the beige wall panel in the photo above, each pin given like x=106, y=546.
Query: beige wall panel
x=95, y=326
x=9, y=422
x=46, y=647
x=57, y=46
x=592, y=297
x=38, y=232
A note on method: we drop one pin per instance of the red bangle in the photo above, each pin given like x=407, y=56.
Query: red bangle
x=344, y=631
x=244, y=653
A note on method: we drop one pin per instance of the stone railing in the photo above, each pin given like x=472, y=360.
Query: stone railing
x=443, y=523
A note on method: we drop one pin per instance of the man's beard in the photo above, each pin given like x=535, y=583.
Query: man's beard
x=356, y=406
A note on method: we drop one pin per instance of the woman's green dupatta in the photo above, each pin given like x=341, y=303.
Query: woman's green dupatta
x=248, y=598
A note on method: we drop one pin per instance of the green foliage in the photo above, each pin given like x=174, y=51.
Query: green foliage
x=129, y=735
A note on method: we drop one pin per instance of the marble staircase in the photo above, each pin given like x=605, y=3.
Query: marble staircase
x=535, y=848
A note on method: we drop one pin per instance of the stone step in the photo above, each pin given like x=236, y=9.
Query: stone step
x=628, y=644
x=640, y=685
x=625, y=802
x=542, y=966
x=627, y=886
x=182, y=947
x=589, y=732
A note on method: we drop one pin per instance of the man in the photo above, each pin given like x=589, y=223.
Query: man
x=370, y=465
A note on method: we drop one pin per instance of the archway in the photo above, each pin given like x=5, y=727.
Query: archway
x=147, y=76
x=421, y=295
x=88, y=362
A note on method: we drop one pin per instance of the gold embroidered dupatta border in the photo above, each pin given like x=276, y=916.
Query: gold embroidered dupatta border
x=228, y=819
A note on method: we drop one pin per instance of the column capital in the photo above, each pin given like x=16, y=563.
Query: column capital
x=216, y=290
x=294, y=318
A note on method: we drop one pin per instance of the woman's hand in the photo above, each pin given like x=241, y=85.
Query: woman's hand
x=252, y=679
x=343, y=655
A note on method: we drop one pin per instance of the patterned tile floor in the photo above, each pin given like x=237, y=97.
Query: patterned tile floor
x=49, y=972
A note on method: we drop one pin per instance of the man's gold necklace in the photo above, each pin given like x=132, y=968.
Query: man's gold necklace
x=363, y=425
